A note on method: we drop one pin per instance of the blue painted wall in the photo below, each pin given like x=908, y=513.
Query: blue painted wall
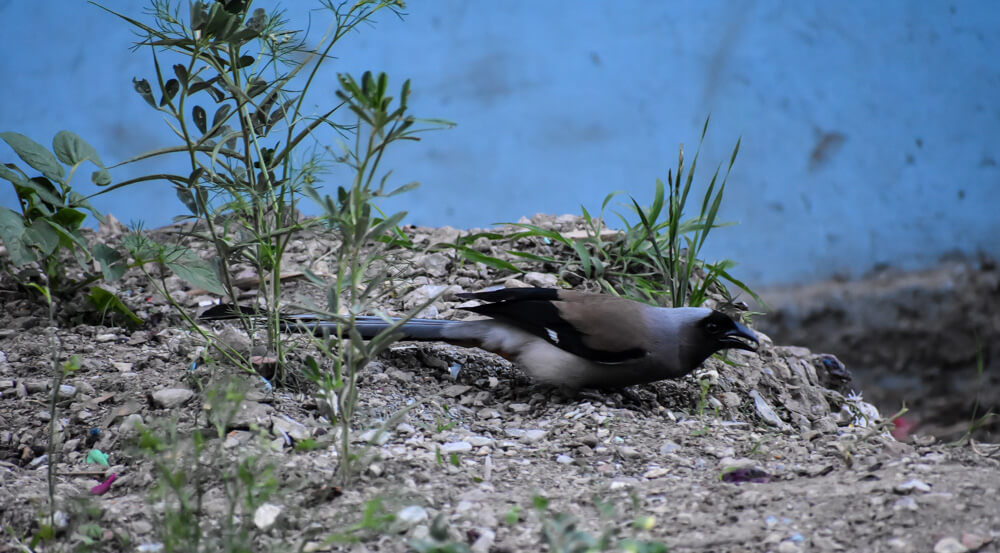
x=871, y=130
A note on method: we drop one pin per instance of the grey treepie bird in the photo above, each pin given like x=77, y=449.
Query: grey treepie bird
x=579, y=340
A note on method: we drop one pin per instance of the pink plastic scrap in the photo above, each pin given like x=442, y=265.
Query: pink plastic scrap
x=103, y=487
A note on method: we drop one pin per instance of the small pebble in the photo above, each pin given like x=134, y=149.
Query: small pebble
x=911, y=485
x=949, y=545
x=668, y=447
x=905, y=504
x=412, y=515
x=456, y=447
x=533, y=436
x=171, y=397
x=266, y=516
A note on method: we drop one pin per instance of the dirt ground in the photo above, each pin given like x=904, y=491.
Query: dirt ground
x=814, y=468
x=929, y=339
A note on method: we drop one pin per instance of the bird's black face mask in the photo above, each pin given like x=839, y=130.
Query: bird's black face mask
x=725, y=333
x=714, y=333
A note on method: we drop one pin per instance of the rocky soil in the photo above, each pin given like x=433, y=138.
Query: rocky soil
x=760, y=452
x=929, y=339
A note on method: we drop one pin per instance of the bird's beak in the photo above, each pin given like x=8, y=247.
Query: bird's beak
x=740, y=337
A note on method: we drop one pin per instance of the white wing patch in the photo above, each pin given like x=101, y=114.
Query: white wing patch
x=552, y=335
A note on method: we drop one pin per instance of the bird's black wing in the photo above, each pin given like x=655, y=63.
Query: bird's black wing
x=540, y=311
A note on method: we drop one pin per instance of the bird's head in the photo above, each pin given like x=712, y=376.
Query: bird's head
x=710, y=332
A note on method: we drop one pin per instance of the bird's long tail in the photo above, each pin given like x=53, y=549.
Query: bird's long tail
x=369, y=327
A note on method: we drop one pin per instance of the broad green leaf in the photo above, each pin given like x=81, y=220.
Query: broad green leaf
x=113, y=265
x=69, y=218
x=35, y=155
x=104, y=301
x=12, y=233
x=191, y=269
x=101, y=177
x=42, y=236
x=71, y=149
x=13, y=176
x=46, y=191
x=67, y=237
x=78, y=201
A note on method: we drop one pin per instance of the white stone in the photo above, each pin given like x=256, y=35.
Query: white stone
x=456, y=447
x=171, y=397
x=533, y=436
x=130, y=426
x=296, y=430
x=911, y=485
x=949, y=545
x=266, y=515
x=411, y=515
x=655, y=473
x=480, y=441
x=905, y=504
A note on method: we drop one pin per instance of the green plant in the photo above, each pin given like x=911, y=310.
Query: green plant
x=188, y=465
x=374, y=520
x=237, y=101
x=156, y=261
x=656, y=259
x=361, y=270
x=704, y=385
x=49, y=225
x=439, y=539
x=873, y=428
x=55, y=433
x=976, y=421
x=561, y=532
x=464, y=250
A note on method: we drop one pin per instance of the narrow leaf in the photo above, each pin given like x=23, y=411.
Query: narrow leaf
x=200, y=118
x=144, y=90
x=182, y=74
x=220, y=115
x=470, y=254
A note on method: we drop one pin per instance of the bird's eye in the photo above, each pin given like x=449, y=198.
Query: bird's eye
x=713, y=327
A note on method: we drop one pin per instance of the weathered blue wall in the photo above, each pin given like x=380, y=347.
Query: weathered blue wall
x=871, y=130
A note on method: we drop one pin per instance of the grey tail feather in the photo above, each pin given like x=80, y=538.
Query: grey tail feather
x=369, y=327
